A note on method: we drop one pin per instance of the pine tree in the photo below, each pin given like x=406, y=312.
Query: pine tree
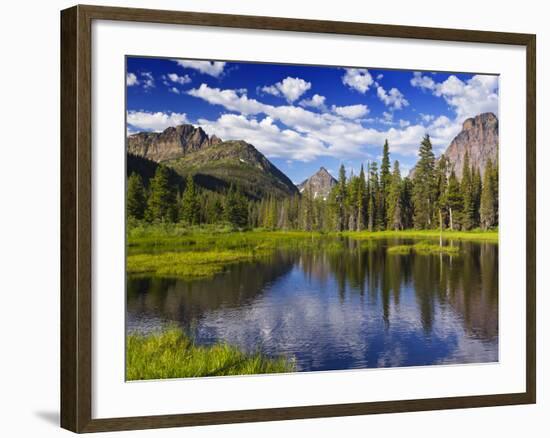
x=361, y=199
x=242, y=210
x=236, y=208
x=466, y=187
x=341, y=194
x=407, y=202
x=495, y=190
x=385, y=181
x=476, y=196
x=294, y=212
x=454, y=202
x=135, y=197
x=190, y=206
x=395, y=206
x=213, y=210
x=307, y=210
x=161, y=205
x=283, y=223
x=373, y=195
x=423, y=189
x=272, y=220
x=441, y=191
x=488, y=208
x=352, y=202
x=253, y=214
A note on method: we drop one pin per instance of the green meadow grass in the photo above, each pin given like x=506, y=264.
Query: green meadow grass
x=479, y=235
x=400, y=249
x=173, y=250
x=428, y=248
x=152, y=237
x=171, y=354
x=159, y=237
x=187, y=264
x=423, y=248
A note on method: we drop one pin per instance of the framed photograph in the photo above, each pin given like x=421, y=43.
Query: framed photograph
x=268, y=219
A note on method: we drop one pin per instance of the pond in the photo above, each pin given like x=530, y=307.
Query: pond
x=356, y=307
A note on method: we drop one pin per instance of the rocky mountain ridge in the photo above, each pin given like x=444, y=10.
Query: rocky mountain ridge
x=320, y=184
x=214, y=164
x=173, y=142
x=478, y=139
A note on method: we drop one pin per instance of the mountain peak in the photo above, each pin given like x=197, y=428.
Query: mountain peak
x=479, y=139
x=173, y=142
x=214, y=164
x=320, y=183
x=480, y=119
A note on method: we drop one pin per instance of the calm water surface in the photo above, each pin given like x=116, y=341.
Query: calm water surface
x=330, y=310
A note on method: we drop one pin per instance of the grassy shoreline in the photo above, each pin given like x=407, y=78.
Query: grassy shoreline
x=159, y=236
x=187, y=264
x=171, y=354
x=192, y=253
x=486, y=236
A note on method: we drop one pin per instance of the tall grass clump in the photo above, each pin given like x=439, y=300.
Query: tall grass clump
x=423, y=248
x=428, y=248
x=400, y=249
x=171, y=354
x=187, y=265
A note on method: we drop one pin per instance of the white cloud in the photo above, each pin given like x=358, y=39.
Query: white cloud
x=174, y=90
x=182, y=80
x=468, y=99
x=393, y=99
x=212, y=68
x=229, y=99
x=427, y=118
x=475, y=96
x=149, y=121
x=424, y=82
x=317, y=101
x=131, y=79
x=148, y=81
x=351, y=111
x=442, y=130
x=327, y=134
x=290, y=88
x=265, y=135
x=404, y=123
x=380, y=76
x=358, y=78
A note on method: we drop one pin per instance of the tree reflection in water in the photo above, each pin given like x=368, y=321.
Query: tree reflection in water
x=354, y=307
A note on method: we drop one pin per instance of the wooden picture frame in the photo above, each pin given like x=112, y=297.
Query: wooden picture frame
x=76, y=217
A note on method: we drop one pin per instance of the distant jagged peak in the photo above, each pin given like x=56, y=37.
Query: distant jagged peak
x=319, y=184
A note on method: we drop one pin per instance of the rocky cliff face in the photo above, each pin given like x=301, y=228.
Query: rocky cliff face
x=173, y=142
x=478, y=138
x=320, y=184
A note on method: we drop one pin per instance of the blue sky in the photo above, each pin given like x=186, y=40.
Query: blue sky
x=305, y=117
